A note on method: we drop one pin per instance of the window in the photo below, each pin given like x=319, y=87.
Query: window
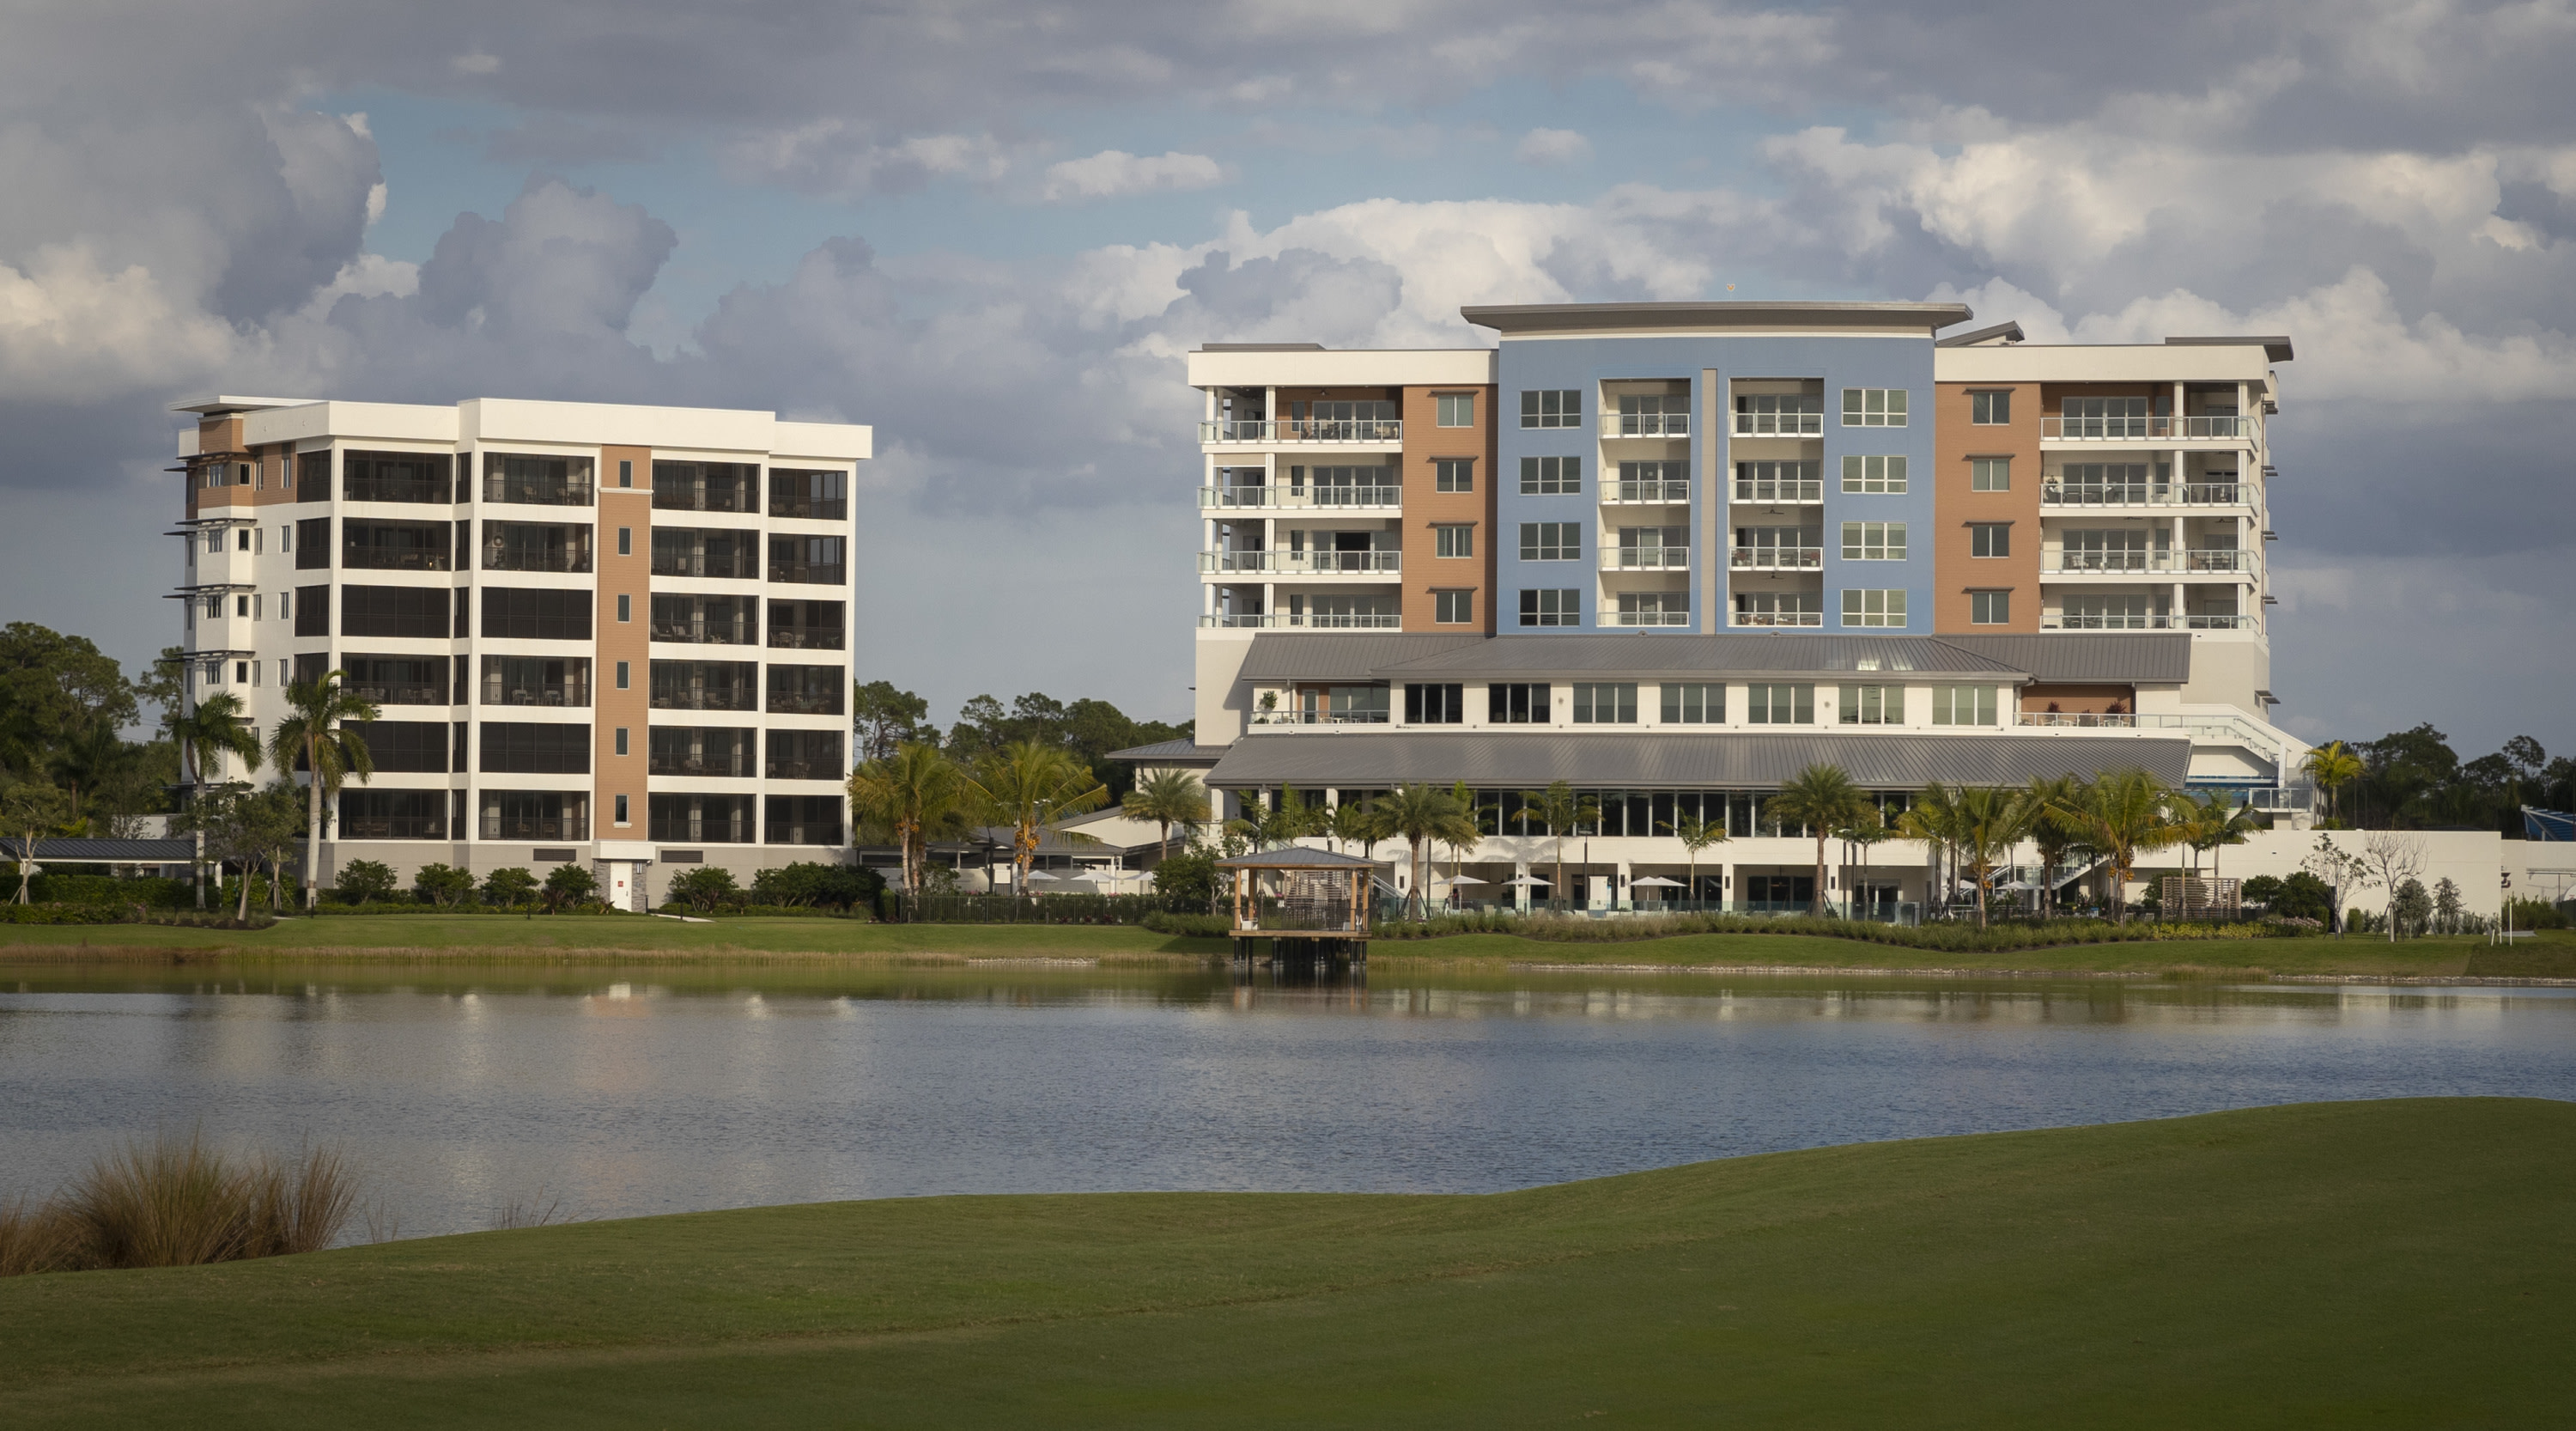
x=621, y=800
x=1453, y=608
x=804, y=755
x=625, y=478
x=712, y=819
x=286, y=606
x=396, y=477
x=626, y=541
x=806, y=819
x=824, y=495
x=1694, y=703
x=313, y=477
x=1990, y=409
x=1873, y=541
x=1778, y=608
x=808, y=690
x=286, y=538
x=1780, y=705
x=1552, y=408
x=536, y=481
x=410, y=747
x=1873, y=407
x=536, y=546
x=314, y=552
x=2104, y=416
x=1963, y=705
x=387, y=611
x=1872, y=705
x=536, y=680
x=1788, y=415
x=1435, y=704
x=1605, y=703
x=241, y=606
x=624, y=676
x=1873, y=607
x=313, y=611
x=814, y=561
x=701, y=750
x=1458, y=541
x=716, y=552
x=1551, y=476
x=241, y=538
x=1989, y=474
x=803, y=625
x=625, y=607
x=1551, y=608
x=1990, y=539
x=393, y=814
x=1453, y=474
x=1551, y=541
x=706, y=486
x=535, y=748
x=1517, y=703
x=532, y=614
x=1779, y=482
x=621, y=732
x=1457, y=409
x=1990, y=608
x=1873, y=474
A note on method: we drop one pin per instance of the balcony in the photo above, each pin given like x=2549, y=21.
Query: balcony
x=540, y=489
x=1633, y=494
x=1778, y=618
x=1271, y=621
x=399, y=487
x=1645, y=424
x=2145, y=429
x=564, y=693
x=393, y=827
x=399, y=695
x=1796, y=422
x=1779, y=490
x=1645, y=618
x=805, y=638
x=2114, y=563
x=1333, y=497
x=804, y=769
x=1776, y=558
x=1340, y=430
x=2054, y=493
x=1296, y=563
x=734, y=766
x=2075, y=720
x=535, y=827
x=524, y=548
x=809, y=573
x=1645, y=558
x=709, y=698
x=1320, y=717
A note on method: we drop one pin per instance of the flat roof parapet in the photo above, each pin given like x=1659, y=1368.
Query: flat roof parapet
x=1560, y=319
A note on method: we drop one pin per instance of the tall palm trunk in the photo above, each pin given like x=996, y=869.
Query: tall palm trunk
x=313, y=827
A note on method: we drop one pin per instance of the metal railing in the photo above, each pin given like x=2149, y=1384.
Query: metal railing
x=1364, y=429
x=1777, y=618
x=537, y=493
x=738, y=698
x=2143, y=429
x=704, y=497
x=528, y=827
x=1645, y=618
x=365, y=558
x=400, y=695
x=564, y=693
x=726, y=767
x=2056, y=493
x=1654, y=493
x=1273, y=621
x=806, y=638
x=2196, y=559
x=1645, y=424
x=804, y=770
x=1308, y=496
x=436, y=491
x=1778, y=490
x=537, y=558
x=809, y=573
x=704, y=633
x=393, y=827
x=2076, y=720
x=805, y=702
x=2229, y=622
x=1779, y=424
x=2103, y=621
x=1645, y=558
x=742, y=566
x=826, y=509
x=1320, y=717
x=1309, y=563
x=1776, y=558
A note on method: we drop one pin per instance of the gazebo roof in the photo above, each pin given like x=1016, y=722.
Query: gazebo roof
x=1293, y=858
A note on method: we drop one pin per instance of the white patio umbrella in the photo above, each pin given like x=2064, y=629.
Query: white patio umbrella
x=1524, y=881
x=1464, y=879
x=1654, y=882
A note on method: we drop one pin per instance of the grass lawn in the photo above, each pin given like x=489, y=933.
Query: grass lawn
x=2399, y=1263
x=628, y=938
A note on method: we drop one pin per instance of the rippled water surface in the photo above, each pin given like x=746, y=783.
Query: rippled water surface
x=660, y=1090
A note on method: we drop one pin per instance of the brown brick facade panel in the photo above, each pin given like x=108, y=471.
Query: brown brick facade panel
x=1426, y=507
x=628, y=574
x=1957, y=506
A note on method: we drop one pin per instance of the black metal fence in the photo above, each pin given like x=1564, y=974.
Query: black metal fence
x=896, y=907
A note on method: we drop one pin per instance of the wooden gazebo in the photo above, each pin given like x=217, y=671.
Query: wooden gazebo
x=1307, y=903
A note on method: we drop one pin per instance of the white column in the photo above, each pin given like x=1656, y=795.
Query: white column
x=1619, y=884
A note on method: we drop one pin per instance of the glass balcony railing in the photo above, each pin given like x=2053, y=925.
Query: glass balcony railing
x=1645, y=424
x=1654, y=493
x=2055, y=493
x=1309, y=496
x=735, y=766
x=2132, y=428
x=2090, y=563
x=1783, y=490
x=535, y=827
x=1312, y=621
x=1310, y=563
x=1779, y=618
x=1776, y=558
x=1645, y=559
x=1318, y=429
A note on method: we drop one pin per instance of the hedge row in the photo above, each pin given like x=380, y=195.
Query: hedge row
x=129, y=914
x=1941, y=938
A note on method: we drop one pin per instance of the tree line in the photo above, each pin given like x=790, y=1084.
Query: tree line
x=2413, y=780
x=884, y=717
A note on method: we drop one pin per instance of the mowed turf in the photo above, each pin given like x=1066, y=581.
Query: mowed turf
x=2396, y=1263
x=625, y=938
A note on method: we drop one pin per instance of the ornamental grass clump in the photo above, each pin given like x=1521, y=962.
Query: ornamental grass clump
x=178, y=1203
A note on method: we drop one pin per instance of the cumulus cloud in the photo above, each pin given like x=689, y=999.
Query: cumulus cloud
x=1552, y=146
x=1115, y=173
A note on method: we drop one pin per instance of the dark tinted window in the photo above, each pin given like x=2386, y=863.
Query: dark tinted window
x=536, y=614
x=805, y=819
x=390, y=611
x=808, y=690
x=804, y=755
x=396, y=476
x=404, y=746
x=312, y=611
x=535, y=748
x=313, y=543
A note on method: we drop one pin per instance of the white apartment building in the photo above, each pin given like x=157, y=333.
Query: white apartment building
x=609, y=635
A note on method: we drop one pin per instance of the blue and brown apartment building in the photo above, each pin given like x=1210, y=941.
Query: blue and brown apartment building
x=1674, y=552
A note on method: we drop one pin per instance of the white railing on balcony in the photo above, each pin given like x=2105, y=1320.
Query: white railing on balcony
x=2080, y=720
x=1367, y=621
x=1319, y=717
x=1776, y=558
x=1645, y=618
x=1784, y=490
x=1301, y=497
x=1296, y=563
x=1779, y=424
x=1313, y=429
x=2056, y=493
x=2189, y=621
x=2190, y=562
x=1779, y=618
x=1645, y=424
x=2144, y=429
x=1628, y=494
x=2204, y=728
x=2221, y=623
x=1645, y=559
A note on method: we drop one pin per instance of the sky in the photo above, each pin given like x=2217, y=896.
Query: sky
x=992, y=231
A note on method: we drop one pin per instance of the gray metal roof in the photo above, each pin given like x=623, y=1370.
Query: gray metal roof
x=121, y=852
x=1171, y=752
x=1605, y=654
x=1731, y=760
x=1285, y=656
x=1685, y=317
x=2086, y=657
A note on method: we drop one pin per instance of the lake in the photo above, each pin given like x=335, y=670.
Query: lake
x=612, y=1093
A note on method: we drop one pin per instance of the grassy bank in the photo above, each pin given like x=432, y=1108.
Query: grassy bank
x=2401, y=1261
x=628, y=939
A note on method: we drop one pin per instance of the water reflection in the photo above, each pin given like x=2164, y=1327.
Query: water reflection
x=668, y=1087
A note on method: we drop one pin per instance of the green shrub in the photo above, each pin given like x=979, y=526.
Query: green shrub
x=1193, y=926
x=364, y=882
x=149, y=891
x=443, y=885
x=509, y=887
x=570, y=885
x=705, y=888
x=1189, y=875
x=810, y=882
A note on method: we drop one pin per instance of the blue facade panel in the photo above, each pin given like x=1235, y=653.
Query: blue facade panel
x=1583, y=364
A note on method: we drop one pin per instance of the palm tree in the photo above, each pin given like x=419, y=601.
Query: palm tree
x=2332, y=765
x=1822, y=798
x=1560, y=810
x=909, y=796
x=1028, y=785
x=1420, y=814
x=1697, y=834
x=1168, y=798
x=1981, y=822
x=91, y=759
x=2211, y=823
x=1353, y=822
x=1466, y=832
x=312, y=729
x=2125, y=813
x=204, y=737
x=2053, y=829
